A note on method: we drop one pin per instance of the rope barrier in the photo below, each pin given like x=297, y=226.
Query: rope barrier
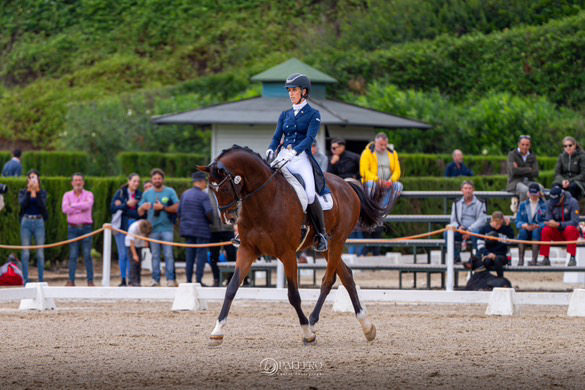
x=54, y=245
x=514, y=241
x=177, y=244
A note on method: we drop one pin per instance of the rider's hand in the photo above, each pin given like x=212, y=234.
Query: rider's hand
x=288, y=155
x=269, y=154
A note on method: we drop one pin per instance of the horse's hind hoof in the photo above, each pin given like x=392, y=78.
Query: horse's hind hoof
x=371, y=334
x=310, y=340
x=215, y=341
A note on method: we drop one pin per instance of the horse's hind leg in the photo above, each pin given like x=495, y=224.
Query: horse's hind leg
x=327, y=282
x=243, y=263
x=347, y=279
x=290, y=268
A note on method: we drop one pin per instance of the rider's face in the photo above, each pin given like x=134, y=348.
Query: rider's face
x=295, y=95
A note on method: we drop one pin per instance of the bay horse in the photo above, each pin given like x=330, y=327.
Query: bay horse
x=269, y=217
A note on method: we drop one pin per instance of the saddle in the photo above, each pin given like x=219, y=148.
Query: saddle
x=298, y=184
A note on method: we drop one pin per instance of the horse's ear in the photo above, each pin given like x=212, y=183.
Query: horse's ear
x=203, y=168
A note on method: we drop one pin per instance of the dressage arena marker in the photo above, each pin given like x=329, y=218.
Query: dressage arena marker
x=187, y=298
x=577, y=304
x=343, y=303
x=39, y=301
x=502, y=302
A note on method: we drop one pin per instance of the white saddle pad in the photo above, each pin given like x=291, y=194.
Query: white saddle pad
x=326, y=200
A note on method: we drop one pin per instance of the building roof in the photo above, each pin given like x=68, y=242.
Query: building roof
x=262, y=110
x=282, y=71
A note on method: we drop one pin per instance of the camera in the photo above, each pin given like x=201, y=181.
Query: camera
x=3, y=188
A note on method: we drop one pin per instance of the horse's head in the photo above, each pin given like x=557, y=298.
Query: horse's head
x=227, y=176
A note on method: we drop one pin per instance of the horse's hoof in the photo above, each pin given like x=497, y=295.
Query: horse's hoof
x=310, y=340
x=215, y=341
x=371, y=334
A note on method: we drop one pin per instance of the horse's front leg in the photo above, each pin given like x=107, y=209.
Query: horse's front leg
x=244, y=261
x=294, y=297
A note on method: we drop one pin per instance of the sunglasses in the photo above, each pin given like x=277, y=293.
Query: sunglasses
x=525, y=137
x=568, y=145
x=334, y=147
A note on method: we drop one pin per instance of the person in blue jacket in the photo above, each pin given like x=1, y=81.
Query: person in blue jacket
x=125, y=201
x=299, y=126
x=530, y=221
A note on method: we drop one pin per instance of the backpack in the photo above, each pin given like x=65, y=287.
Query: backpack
x=11, y=275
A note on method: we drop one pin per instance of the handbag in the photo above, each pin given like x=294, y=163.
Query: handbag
x=117, y=219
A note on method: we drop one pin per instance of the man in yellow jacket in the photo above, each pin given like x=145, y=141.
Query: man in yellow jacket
x=379, y=164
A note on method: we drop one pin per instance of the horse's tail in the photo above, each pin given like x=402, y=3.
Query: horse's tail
x=371, y=214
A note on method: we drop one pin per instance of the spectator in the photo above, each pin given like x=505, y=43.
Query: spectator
x=467, y=213
x=379, y=165
x=343, y=163
x=529, y=222
x=570, y=169
x=220, y=232
x=134, y=248
x=522, y=168
x=494, y=253
x=561, y=222
x=77, y=205
x=319, y=157
x=457, y=167
x=195, y=217
x=33, y=214
x=161, y=205
x=14, y=166
x=125, y=205
x=147, y=186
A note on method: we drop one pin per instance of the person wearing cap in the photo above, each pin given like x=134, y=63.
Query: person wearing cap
x=195, y=215
x=561, y=222
x=296, y=131
x=570, y=168
x=522, y=167
x=343, y=163
x=529, y=222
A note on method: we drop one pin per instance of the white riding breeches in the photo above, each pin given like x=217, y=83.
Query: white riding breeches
x=301, y=165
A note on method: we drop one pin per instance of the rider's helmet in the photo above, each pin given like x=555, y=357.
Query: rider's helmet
x=298, y=80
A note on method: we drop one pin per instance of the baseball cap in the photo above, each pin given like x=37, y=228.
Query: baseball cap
x=534, y=189
x=555, y=195
x=198, y=176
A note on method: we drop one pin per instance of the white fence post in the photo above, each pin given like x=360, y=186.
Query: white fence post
x=107, y=257
x=279, y=274
x=450, y=259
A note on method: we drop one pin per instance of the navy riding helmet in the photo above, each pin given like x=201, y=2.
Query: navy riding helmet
x=298, y=80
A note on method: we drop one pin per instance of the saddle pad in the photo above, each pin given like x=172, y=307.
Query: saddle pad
x=326, y=200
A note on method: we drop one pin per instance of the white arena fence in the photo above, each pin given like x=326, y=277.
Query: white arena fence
x=40, y=296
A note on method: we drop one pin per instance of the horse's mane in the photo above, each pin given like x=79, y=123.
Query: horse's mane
x=240, y=148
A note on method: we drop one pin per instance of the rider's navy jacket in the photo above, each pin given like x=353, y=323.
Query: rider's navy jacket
x=300, y=131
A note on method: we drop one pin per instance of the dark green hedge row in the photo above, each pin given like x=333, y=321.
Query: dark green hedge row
x=542, y=60
x=103, y=189
x=66, y=163
x=174, y=164
x=435, y=164
x=51, y=163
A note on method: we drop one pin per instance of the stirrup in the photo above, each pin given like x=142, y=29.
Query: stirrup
x=320, y=243
x=236, y=241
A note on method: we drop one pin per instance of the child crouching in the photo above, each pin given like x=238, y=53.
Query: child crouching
x=134, y=248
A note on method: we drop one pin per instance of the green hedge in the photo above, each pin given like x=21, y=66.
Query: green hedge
x=103, y=189
x=435, y=164
x=174, y=164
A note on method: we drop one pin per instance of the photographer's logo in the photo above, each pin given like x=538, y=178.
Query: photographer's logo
x=272, y=367
x=269, y=367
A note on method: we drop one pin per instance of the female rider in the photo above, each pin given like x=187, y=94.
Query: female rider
x=300, y=126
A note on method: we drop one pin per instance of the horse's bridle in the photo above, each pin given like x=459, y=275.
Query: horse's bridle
x=234, y=181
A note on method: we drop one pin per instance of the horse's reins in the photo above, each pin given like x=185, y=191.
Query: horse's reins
x=230, y=177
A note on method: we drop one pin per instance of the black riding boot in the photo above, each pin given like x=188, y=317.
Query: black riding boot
x=318, y=219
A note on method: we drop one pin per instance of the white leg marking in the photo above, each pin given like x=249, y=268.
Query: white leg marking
x=218, y=330
x=366, y=324
x=307, y=333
